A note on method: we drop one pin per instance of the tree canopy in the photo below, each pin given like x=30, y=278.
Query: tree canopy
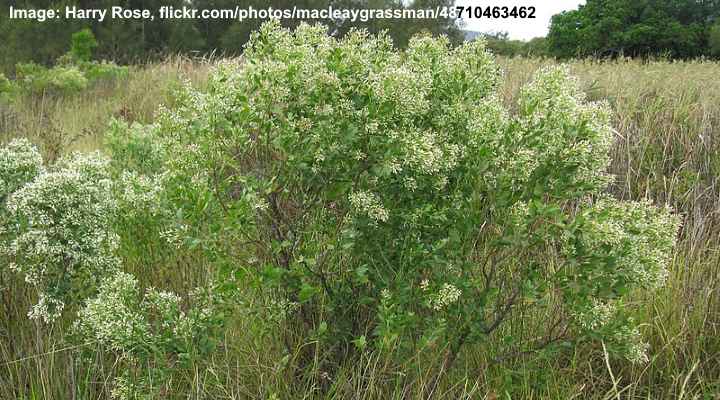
x=673, y=28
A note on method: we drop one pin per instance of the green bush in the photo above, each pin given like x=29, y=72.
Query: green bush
x=82, y=44
x=72, y=73
x=154, y=336
x=391, y=201
x=7, y=88
x=67, y=78
x=715, y=40
x=134, y=148
x=35, y=79
x=103, y=71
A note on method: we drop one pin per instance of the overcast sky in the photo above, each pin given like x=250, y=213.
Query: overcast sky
x=518, y=28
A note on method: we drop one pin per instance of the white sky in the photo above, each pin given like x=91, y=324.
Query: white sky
x=518, y=28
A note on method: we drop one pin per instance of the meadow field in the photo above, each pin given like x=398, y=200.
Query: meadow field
x=666, y=123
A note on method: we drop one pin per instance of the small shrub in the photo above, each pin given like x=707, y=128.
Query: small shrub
x=103, y=71
x=7, y=89
x=35, y=79
x=61, y=239
x=82, y=44
x=714, y=39
x=134, y=148
x=72, y=73
x=20, y=163
x=152, y=336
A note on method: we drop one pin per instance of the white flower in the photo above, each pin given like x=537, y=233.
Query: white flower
x=141, y=194
x=368, y=203
x=597, y=315
x=20, y=162
x=447, y=295
x=46, y=309
x=112, y=317
x=635, y=348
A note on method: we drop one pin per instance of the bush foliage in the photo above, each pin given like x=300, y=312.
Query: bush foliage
x=375, y=200
x=73, y=72
x=391, y=199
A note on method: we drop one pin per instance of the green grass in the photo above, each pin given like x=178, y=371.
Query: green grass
x=667, y=120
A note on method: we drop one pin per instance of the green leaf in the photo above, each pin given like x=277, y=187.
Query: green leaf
x=360, y=342
x=307, y=292
x=361, y=275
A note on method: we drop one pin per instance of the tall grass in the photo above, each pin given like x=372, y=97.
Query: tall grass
x=667, y=122
x=66, y=123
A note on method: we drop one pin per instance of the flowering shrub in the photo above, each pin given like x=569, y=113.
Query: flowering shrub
x=134, y=148
x=150, y=335
x=390, y=194
x=61, y=238
x=20, y=162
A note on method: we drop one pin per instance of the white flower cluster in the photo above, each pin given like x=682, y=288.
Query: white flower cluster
x=62, y=240
x=596, y=315
x=447, y=295
x=113, y=318
x=632, y=345
x=278, y=310
x=47, y=308
x=20, y=162
x=560, y=131
x=641, y=235
x=128, y=322
x=141, y=194
x=137, y=327
x=175, y=235
x=124, y=389
x=405, y=88
x=368, y=204
x=428, y=154
x=636, y=239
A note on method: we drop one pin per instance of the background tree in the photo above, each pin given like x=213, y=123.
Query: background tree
x=499, y=43
x=715, y=39
x=674, y=28
x=83, y=44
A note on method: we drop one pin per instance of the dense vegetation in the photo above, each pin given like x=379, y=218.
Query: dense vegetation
x=501, y=44
x=72, y=72
x=333, y=219
x=676, y=29
x=135, y=40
